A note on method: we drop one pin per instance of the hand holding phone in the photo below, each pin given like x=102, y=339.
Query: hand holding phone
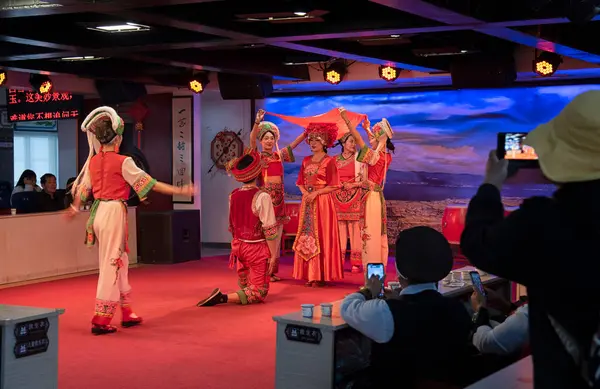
x=376, y=274
x=477, y=284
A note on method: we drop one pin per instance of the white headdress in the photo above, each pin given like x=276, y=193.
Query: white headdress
x=89, y=126
x=379, y=130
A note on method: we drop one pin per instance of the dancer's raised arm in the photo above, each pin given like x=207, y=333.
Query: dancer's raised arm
x=359, y=140
x=253, y=134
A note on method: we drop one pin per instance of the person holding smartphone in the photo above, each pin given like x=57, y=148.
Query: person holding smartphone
x=550, y=244
x=506, y=338
x=420, y=332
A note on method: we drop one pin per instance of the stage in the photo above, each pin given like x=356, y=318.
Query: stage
x=179, y=346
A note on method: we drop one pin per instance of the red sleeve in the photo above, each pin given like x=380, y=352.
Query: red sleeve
x=332, y=177
x=300, y=180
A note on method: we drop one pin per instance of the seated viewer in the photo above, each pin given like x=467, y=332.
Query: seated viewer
x=419, y=335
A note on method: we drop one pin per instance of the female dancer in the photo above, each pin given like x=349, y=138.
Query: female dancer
x=108, y=176
x=374, y=234
x=348, y=200
x=317, y=253
x=267, y=134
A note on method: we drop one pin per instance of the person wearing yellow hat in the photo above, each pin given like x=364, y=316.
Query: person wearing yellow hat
x=253, y=225
x=548, y=238
x=108, y=176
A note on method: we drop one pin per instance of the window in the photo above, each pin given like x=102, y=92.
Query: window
x=35, y=150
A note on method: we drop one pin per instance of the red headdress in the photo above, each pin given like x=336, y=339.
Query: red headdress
x=325, y=132
x=250, y=172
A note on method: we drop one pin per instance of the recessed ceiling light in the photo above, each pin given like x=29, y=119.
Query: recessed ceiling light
x=84, y=58
x=32, y=5
x=119, y=28
x=395, y=36
x=300, y=13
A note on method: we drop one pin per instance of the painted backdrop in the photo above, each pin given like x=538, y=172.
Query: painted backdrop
x=442, y=140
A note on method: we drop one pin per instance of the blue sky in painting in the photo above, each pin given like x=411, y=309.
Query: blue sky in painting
x=442, y=138
x=439, y=131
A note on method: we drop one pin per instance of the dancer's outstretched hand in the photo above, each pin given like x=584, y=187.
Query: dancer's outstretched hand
x=260, y=115
x=188, y=190
x=70, y=213
x=366, y=124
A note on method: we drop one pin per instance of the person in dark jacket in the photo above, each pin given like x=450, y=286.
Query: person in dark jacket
x=549, y=245
x=419, y=335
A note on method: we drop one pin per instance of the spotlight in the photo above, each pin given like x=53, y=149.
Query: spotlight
x=388, y=73
x=335, y=72
x=3, y=77
x=546, y=63
x=41, y=83
x=198, y=83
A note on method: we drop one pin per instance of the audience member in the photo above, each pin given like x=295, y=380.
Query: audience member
x=550, y=245
x=507, y=338
x=419, y=335
x=27, y=183
x=50, y=200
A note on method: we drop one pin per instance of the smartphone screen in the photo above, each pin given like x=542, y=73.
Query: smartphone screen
x=515, y=148
x=376, y=269
x=477, y=284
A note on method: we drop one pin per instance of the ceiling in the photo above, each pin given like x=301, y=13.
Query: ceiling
x=265, y=37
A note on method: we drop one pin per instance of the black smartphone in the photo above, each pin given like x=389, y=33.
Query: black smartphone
x=477, y=284
x=378, y=270
x=511, y=146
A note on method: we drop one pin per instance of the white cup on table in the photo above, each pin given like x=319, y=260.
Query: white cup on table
x=307, y=310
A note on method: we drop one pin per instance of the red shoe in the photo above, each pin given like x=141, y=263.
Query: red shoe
x=131, y=322
x=98, y=329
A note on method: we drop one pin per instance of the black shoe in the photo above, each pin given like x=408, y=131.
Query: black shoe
x=216, y=297
x=103, y=330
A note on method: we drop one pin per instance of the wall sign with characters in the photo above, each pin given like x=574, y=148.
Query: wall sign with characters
x=183, y=145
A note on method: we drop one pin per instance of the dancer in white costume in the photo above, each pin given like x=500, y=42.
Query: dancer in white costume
x=108, y=175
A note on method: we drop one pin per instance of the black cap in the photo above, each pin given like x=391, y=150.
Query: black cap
x=423, y=255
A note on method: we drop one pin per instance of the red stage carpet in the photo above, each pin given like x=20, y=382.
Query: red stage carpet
x=179, y=346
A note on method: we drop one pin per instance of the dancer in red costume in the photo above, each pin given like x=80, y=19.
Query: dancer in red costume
x=267, y=134
x=374, y=233
x=348, y=200
x=253, y=224
x=318, y=256
x=109, y=175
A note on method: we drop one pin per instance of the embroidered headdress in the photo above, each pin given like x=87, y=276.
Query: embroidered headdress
x=248, y=173
x=345, y=137
x=265, y=127
x=90, y=125
x=326, y=133
x=383, y=128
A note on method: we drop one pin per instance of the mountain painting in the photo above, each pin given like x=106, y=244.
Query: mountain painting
x=442, y=141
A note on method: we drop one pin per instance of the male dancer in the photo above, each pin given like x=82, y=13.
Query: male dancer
x=253, y=225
